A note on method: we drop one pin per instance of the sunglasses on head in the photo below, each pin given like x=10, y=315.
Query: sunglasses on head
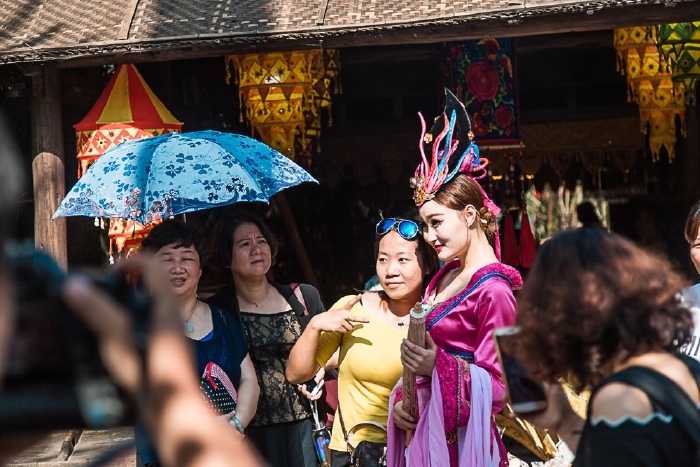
x=407, y=229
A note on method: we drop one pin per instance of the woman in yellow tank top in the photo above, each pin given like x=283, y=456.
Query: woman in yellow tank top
x=368, y=330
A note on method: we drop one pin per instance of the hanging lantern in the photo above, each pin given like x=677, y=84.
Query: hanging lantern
x=283, y=94
x=126, y=110
x=276, y=90
x=325, y=71
x=650, y=85
x=679, y=44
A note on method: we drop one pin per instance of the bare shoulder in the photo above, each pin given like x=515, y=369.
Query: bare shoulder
x=617, y=401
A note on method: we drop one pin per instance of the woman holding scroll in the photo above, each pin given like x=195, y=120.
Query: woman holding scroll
x=368, y=330
x=459, y=382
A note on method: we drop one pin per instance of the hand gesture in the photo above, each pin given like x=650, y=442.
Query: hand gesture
x=339, y=320
x=418, y=360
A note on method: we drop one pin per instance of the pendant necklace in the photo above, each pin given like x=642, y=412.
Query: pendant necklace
x=257, y=304
x=189, y=326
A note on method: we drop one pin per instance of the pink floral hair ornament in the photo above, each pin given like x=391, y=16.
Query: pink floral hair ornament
x=449, y=142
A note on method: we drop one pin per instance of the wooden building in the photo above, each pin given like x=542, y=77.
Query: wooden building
x=53, y=56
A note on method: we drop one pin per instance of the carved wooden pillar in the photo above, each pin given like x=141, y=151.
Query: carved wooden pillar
x=48, y=165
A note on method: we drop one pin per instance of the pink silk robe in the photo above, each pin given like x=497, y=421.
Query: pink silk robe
x=462, y=329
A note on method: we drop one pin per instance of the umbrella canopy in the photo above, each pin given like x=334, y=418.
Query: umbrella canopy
x=175, y=173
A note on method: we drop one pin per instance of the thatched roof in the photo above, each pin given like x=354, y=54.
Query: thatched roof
x=32, y=30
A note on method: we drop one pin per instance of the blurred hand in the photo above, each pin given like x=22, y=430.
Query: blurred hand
x=558, y=412
x=339, y=320
x=418, y=360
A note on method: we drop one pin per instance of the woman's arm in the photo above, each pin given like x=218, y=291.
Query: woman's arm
x=248, y=393
x=302, y=364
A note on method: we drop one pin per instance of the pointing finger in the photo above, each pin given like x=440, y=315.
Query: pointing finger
x=358, y=319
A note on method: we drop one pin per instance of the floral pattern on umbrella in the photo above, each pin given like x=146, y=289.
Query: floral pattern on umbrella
x=159, y=177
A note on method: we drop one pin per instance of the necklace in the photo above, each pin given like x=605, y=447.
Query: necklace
x=189, y=326
x=257, y=304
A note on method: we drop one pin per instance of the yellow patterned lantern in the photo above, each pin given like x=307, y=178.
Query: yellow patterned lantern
x=275, y=89
x=650, y=85
x=679, y=44
x=283, y=94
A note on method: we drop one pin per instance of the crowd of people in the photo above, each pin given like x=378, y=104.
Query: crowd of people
x=232, y=379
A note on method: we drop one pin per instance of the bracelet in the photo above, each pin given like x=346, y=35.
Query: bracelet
x=238, y=424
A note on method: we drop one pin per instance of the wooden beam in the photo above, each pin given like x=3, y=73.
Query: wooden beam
x=449, y=29
x=48, y=165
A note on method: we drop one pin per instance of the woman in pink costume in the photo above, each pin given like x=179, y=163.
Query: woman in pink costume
x=459, y=377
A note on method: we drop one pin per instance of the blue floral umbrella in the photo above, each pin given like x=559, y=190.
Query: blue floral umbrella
x=155, y=178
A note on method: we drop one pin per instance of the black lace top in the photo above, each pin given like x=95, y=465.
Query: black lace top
x=270, y=339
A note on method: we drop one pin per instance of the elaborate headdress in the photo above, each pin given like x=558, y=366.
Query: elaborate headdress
x=449, y=143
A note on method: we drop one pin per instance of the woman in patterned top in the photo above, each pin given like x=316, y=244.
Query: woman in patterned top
x=593, y=306
x=273, y=319
x=226, y=370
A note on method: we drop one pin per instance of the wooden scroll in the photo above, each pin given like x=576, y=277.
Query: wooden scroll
x=416, y=335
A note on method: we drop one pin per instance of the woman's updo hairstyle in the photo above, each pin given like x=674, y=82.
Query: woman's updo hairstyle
x=462, y=191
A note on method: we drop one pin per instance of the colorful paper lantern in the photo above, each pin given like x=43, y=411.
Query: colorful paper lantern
x=275, y=89
x=127, y=109
x=283, y=94
x=679, y=44
x=650, y=85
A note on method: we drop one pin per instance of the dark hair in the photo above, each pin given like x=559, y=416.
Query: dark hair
x=586, y=214
x=692, y=223
x=462, y=191
x=594, y=299
x=222, y=240
x=426, y=252
x=175, y=232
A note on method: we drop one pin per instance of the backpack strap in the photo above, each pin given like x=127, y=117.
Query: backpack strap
x=296, y=288
x=665, y=393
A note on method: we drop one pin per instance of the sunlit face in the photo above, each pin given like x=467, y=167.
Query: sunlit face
x=400, y=268
x=695, y=252
x=183, y=268
x=447, y=230
x=251, y=254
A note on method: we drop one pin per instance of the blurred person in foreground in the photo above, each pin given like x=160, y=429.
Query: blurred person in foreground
x=595, y=305
x=220, y=352
x=186, y=432
x=364, y=327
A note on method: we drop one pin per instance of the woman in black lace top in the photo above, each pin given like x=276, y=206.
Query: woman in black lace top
x=596, y=308
x=273, y=319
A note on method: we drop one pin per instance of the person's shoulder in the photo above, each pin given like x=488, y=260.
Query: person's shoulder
x=342, y=301
x=616, y=402
x=498, y=273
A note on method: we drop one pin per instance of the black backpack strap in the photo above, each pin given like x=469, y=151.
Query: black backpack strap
x=665, y=393
x=693, y=366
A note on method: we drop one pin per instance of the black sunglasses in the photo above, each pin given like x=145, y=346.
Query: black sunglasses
x=407, y=229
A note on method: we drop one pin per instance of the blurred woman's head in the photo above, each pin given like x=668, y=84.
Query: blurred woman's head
x=404, y=260
x=244, y=244
x=692, y=234
x=455, y=214
x=591, y=301
x=180, y=250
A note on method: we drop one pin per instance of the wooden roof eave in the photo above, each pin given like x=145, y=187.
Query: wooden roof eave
x=511, y=23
